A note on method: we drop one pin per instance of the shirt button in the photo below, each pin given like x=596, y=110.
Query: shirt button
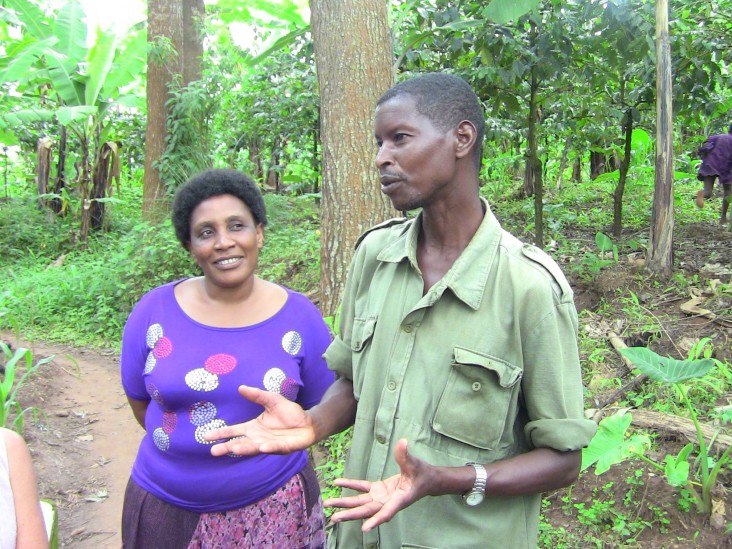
x=407, y=328
x=476, y=386
x=391, y=385
x=380, y=440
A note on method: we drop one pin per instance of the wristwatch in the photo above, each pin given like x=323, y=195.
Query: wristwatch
x=477, y=492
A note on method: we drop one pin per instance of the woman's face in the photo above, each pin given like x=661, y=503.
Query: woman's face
x=225, y=240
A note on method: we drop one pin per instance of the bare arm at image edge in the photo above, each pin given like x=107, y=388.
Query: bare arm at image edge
x=29, y=518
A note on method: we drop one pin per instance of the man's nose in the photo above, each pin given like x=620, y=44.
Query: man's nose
x=384, y=156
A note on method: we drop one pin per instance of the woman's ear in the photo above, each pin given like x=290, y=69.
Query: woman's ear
x=260, y=235
x=466, y=136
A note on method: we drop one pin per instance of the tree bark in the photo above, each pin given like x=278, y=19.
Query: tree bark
x=623, y=174
x=179, y=22
x=660, y=246
x=354, y=63
x=533, y=183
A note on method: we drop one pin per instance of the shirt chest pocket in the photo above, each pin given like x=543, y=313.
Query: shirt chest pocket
x=361, y=335
x=478, y=400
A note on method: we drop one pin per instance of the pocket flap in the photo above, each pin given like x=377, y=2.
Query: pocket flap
x=363, y=329
x=507, y=373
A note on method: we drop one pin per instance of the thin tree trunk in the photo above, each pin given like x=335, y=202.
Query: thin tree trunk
x=57, y=203
x=533, y=177
x=623, y=175
x=563, y=161
x=660, y=246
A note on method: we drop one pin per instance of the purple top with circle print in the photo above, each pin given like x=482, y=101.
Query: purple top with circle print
x=190, y=373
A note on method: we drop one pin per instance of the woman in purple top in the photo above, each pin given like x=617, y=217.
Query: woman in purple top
x=716, y=156
x=186, y=349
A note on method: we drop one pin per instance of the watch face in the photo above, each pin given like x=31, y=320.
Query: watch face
x=473, y=498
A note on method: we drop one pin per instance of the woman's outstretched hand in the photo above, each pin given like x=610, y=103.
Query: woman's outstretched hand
x=284, y=427
x=379, y=501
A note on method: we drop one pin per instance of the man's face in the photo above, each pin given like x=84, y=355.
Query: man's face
x=416, y=160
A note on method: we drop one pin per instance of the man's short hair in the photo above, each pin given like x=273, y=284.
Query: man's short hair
x=446, y=100
x=214, y=182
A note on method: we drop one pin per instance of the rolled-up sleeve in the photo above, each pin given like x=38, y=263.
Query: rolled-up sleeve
x=552, y=383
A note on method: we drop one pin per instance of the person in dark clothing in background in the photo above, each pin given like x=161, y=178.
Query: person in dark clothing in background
x=716, y=156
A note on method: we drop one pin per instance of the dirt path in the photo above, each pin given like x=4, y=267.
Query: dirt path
x=84, y=445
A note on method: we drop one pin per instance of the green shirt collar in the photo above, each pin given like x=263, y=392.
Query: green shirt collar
x=468, y=276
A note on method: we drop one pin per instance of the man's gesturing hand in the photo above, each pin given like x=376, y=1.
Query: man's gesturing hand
x=379, y=501
x=282, y=428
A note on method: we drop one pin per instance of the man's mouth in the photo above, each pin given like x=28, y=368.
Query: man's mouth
x=388, y=179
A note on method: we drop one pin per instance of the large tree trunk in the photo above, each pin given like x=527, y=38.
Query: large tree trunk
x=178, y=21
x=660, y=246
x=354, y=70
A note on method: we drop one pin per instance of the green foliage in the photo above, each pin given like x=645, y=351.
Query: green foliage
x=610, y=445
x=590, y=264
x=336, y=448
x=30, y=234
x=188, y=138
x=13, y=380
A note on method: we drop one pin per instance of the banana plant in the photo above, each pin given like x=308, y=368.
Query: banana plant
x=73, y=84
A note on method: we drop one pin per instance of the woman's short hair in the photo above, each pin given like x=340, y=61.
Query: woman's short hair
x=214, y=182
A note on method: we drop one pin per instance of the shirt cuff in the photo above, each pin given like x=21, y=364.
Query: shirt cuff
x=564, y=435
x=338, y=357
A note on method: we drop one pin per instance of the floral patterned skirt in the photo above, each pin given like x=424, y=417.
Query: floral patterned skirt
x=290, y=518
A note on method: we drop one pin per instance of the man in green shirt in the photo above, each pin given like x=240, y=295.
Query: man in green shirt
x=457, y=359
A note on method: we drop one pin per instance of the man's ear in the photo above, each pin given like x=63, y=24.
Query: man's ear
x=466, y=136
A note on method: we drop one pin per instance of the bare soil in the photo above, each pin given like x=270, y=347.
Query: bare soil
x=84, y=444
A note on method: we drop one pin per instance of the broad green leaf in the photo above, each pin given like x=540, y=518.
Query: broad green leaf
x=70, y=115
x=129, y=64
x=23, y=57
x=33, y=19
x=281, y=43
x=63, y=73
x=25, y=116
x=609, y=446
x=676, y=470
x=661, y=368
x=70, y=28
x=604, y=243
x=504, y=11
x=8, y=138
x=101, y=58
